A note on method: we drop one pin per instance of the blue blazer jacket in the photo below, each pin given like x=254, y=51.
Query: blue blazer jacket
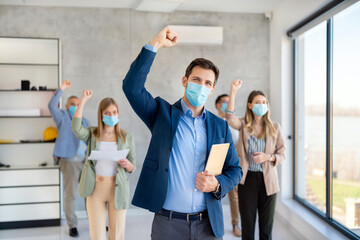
x=162, y=119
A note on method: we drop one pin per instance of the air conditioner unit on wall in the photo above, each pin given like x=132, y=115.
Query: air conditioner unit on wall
x=198, y=35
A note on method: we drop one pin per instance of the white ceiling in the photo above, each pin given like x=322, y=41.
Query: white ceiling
x=245, y=6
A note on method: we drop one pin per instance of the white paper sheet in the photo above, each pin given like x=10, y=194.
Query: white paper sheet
x=108, y=155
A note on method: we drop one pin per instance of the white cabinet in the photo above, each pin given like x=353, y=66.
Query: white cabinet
x=29, y=193
x=29, y=177
x=29, y=212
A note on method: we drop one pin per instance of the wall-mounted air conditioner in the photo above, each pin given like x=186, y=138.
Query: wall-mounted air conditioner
x=198, y=35
x=158, y=5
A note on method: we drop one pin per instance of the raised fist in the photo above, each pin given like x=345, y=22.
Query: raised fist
x=86, y=94
x=165, y=38
x=65, y=85
x=236, y=85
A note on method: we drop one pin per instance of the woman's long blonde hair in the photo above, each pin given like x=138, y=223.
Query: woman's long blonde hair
x=120, y=133
x=249, y=117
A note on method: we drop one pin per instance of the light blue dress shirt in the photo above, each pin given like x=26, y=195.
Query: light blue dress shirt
x=187, y=158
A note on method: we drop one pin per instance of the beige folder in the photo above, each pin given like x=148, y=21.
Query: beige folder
x=217, y=157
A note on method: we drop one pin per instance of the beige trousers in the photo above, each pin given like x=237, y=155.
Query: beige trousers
x=104, y=193
x=234, y=205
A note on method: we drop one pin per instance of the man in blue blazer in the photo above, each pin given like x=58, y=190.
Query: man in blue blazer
x=186, y=199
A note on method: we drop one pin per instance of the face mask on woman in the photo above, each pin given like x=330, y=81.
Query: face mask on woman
x=110, y=121
x=197, y=94
x=260, y=109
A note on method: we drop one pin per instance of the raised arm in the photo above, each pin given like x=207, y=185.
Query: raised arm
x=233, y=121
x=79, y=130
x=140, y=99
x=54, y=101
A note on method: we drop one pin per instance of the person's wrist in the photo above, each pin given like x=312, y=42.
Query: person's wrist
x=233, y=91
x=129, y=167
x=217, y=187
x=155, y=44
x=229, y=111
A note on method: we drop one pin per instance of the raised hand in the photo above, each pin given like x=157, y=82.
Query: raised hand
x=65, y=85
x=86, y=95
x=236, y=85
x=165, y=38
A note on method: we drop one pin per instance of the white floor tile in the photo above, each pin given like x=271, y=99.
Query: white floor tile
x=138, y=227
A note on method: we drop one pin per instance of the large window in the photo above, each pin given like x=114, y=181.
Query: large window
x=346, y=118
x=327, y=120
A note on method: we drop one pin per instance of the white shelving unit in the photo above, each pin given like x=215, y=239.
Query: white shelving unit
x=29, y=193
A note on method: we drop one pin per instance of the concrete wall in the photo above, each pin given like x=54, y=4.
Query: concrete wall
x=98, y=46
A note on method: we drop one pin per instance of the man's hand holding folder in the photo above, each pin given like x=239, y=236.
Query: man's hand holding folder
x=206, y=181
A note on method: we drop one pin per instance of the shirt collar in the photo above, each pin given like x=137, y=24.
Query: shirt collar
x=187, y=112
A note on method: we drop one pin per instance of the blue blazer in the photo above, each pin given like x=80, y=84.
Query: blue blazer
x=162, y=120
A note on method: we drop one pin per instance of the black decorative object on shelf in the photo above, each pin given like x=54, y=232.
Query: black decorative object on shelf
x=33, y=88
x=4, y=165
x=43, y=164
x=25, y=85
x=19, y=90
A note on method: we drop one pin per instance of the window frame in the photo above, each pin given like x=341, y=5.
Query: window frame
x=327, y=217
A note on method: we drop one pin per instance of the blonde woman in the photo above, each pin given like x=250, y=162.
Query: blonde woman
x=104, y=183
x=260, y=149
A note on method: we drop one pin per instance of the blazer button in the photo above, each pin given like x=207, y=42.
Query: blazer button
x=166, y=170
x=170, y=149
x=116, y=185
x=117, y=171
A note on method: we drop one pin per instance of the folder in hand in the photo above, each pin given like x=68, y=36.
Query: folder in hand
x=217, y=157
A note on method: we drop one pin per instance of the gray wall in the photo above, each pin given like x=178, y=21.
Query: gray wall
x=98, y=46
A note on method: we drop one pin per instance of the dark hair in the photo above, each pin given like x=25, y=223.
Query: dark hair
x=219, y=98
x=203, y=63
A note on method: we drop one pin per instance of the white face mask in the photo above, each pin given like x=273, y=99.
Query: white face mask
x=260, y=109
x=197, y=94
